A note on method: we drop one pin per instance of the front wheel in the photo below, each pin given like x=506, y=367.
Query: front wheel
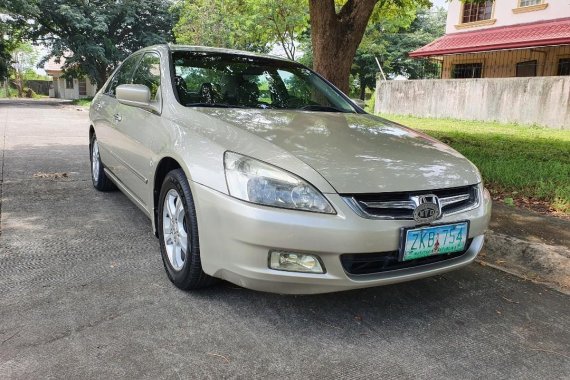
x=178, y=234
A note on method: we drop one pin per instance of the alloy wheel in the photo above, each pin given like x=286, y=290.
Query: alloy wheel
x=175, y=229
x=95, y=161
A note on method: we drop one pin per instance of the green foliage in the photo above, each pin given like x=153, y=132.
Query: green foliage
x=214, y=23
x=95, y=35
x=30, y=74
x=519, y=162
x=371, y=103
x=253, y=25
x=374, y=42
x=10, y=38
x=24, y=57
x=4, y=59
x=390, y=40
x=428, y=26
x=284, y=21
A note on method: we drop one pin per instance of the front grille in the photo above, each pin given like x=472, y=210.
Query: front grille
x=401, y=205
x=369, y=263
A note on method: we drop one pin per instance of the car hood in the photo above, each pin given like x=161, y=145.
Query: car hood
x=357, y=153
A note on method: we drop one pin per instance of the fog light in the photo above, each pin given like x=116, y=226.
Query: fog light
x=295, y=262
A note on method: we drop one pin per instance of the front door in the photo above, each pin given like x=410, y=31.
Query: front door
x=106, y=106
x=140, y=132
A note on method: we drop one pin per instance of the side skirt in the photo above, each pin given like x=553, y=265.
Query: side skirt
x=129, y=194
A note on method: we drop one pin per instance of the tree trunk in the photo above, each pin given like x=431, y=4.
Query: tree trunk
x=336, y=36
x=362, y=88
x=101, y=76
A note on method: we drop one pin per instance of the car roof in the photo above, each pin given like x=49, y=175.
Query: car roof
x=207, y=49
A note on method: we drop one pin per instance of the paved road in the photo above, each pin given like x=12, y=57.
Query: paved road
x=83, y=295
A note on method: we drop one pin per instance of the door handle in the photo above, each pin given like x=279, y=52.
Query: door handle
x=117, y=117
x=98, y=106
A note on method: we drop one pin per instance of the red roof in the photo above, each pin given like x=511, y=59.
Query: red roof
x=541, y=33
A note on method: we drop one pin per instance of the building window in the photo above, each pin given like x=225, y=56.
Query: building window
x=528, y=3
x=82, y=87
x=467, y=70
x=473, y=12
x=527, y=68
x=564, y=66
x=69, y=83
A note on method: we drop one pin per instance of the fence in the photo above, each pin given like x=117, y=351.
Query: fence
x=40, y=87
x=541, y=100
x=541, y=61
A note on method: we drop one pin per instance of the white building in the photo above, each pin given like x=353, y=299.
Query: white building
x=68, y=88
x=503, y=38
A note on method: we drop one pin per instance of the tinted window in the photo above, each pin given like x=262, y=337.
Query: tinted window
x=124, y=75
x=227, y=80
x=148, y=73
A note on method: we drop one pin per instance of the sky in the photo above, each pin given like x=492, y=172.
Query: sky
x=440, y=3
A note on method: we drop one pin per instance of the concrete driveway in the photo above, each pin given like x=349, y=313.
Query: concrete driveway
x=83, y=294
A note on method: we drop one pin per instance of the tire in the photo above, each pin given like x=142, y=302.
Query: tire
x=100, y=180
x=178, y=228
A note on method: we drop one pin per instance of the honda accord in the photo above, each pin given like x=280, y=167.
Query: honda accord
x=256, y=170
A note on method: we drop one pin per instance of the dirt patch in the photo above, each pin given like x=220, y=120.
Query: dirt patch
x=540, y=206
x=52, y=176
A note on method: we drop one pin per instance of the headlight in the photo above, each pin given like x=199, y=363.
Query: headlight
x=257, y=182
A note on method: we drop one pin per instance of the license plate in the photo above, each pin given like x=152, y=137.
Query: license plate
x=433, y=240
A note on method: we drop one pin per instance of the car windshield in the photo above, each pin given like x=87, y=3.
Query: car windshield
x=204, y=79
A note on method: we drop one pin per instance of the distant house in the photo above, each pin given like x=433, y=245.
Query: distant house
x=506, y=38
x=68, y=87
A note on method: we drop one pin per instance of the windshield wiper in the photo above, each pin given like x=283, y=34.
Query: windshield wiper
x=318, y=107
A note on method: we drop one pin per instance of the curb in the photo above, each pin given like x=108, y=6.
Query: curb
x=537, y=262
x=41, y=102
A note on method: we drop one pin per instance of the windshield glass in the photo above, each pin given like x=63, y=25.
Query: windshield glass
x=205, y=79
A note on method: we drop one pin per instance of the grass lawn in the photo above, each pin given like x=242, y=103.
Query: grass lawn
x=86, y=102
x=523, y=165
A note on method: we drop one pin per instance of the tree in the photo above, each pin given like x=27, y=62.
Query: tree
x=286, y=21
x=218, y=23
x=4, y=58
x=11, y=36
x=373, y=46
x=428, y=26
x=254, y=25
x=391, y=40
x=94, y=35
x=337, y=30
x=24, y=58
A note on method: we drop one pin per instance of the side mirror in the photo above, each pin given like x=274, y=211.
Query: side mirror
x=136, y=95
x=359, y=102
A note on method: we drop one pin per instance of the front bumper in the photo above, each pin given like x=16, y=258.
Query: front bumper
x=236, y=237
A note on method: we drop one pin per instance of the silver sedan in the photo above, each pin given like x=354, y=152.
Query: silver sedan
x=256, y=170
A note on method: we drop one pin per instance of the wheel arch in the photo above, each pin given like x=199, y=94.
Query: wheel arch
x=164, y=166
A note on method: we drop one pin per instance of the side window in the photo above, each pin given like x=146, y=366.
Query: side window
x=123, y=75
x=148, y=73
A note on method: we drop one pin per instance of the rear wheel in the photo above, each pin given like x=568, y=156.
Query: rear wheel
x=100, y=180
x=178, y=234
